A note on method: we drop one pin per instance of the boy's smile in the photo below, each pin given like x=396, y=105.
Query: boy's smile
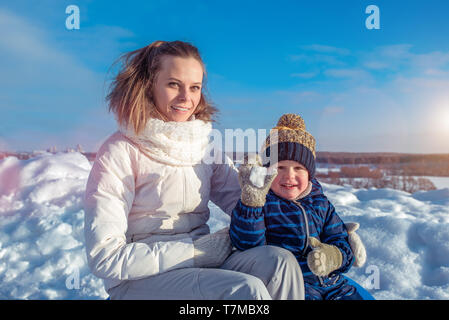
x=292, y=179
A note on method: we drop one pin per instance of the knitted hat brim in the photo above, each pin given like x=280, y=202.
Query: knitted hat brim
x=290, y=151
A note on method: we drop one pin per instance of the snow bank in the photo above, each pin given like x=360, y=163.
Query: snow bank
x=406, y=237
x=41, y=237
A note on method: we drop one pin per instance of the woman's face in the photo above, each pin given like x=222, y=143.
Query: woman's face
x=291, y=181
x=177, y=89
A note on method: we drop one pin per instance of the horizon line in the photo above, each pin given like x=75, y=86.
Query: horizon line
x=68, y=150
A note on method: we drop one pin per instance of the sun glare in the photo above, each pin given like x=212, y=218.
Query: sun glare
x=440, y=116
x=445, y=118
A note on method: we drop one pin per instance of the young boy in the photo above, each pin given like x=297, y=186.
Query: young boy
x=289, y=209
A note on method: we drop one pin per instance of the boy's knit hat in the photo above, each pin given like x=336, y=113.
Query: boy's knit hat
x=292, y=142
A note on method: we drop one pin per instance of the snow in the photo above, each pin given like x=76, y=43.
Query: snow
x=257, y=176
x=438, y=182
x=41, y=236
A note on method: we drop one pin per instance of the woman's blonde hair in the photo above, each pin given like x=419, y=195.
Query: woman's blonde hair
x=131, y=92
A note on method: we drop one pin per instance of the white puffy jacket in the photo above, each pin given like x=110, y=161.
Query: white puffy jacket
x=147, y=197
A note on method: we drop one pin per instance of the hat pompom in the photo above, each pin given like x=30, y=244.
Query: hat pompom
x=289, y=140
x=292, y=121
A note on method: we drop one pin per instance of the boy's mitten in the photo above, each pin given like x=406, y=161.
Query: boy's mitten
x=356, y=244
x=324, y=258
x=255, y=181
x=211, y=250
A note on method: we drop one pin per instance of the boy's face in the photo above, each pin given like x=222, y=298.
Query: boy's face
x=291, y=181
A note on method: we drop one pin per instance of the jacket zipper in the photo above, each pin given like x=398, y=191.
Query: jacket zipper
x=307, y=236
x=306, y=245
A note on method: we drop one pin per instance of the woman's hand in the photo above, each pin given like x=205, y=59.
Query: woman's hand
x=212, y=249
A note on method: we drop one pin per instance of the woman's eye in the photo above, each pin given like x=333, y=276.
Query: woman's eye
x=173, y=84
x=196, y=88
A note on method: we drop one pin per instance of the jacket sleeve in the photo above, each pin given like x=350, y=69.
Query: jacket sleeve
x=334, y=232
x=108, y=200
x=247, y=228
x=225, y=187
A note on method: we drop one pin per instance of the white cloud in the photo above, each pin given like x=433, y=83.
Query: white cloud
x=347, y=73
x=432, y=60
x=319, y=54
x=300, y=97
x=331, y=110
x=29, y=58
x=316, y=58
x=304, y=75
x=399, y=51
x=48, y=92
x=401, y=57
x=436, y=72
x=375, y=65
x=20, y=38
x=325, y=49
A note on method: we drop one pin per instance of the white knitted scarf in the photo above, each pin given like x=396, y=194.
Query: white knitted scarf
x=172, y=143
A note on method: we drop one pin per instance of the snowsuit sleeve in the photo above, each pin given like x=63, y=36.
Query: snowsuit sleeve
x=108, y=199
x=334, y=232
x=225, y=188
x=247, y=228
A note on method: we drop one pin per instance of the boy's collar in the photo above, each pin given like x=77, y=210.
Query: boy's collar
x=305, y=193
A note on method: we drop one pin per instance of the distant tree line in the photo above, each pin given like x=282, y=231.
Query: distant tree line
x=392, y=163
x=365, y=177
x=404, y=183
x=378, y=158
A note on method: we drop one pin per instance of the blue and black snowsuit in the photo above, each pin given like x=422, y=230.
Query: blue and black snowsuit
x=283, y=223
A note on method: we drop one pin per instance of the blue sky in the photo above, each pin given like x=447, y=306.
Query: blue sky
x=358, y=90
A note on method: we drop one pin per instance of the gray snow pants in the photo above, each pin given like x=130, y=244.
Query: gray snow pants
x=260, y=273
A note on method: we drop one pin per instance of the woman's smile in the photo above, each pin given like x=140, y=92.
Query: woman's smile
x=180, y=109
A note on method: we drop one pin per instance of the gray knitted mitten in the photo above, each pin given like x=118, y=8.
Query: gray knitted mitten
x=324, y=258
x=357, y=246
x=211, y=250
x=255, y=181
